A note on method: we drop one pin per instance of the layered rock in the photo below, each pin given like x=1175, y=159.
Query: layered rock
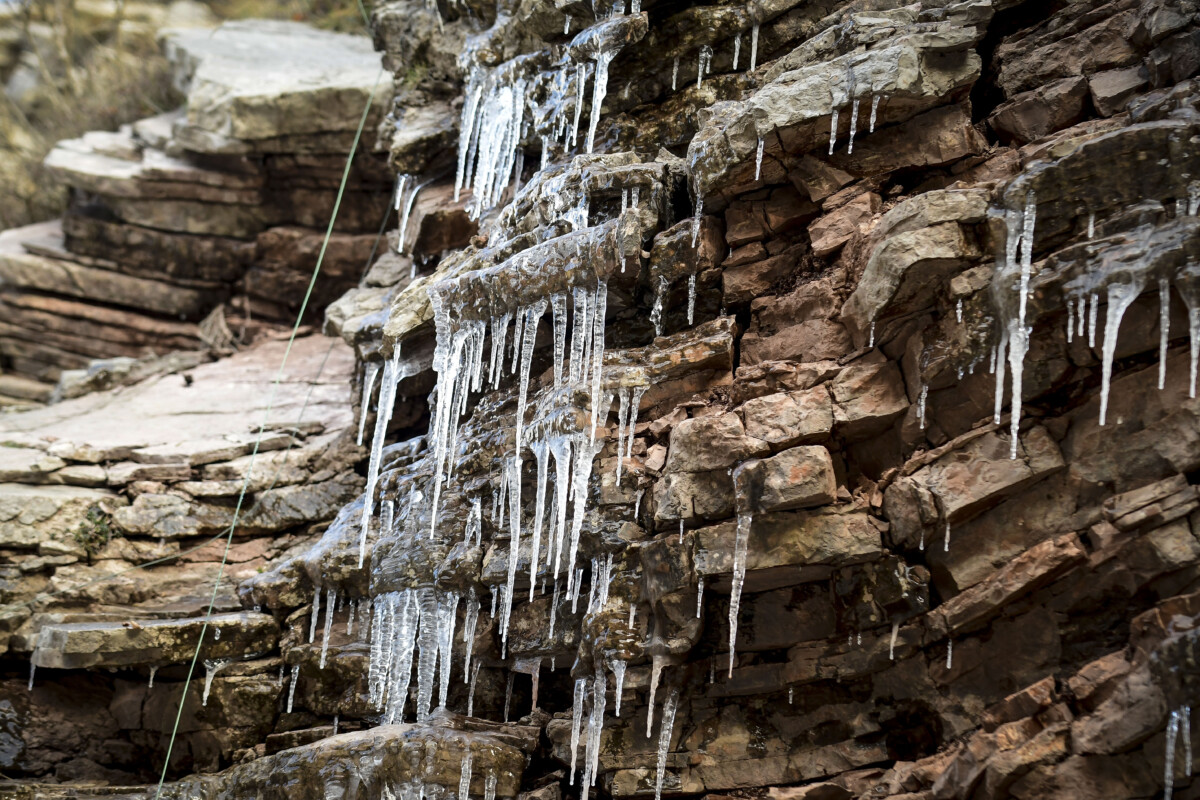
x=198, y=228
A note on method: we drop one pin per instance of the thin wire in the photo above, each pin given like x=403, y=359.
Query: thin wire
x=261, y=430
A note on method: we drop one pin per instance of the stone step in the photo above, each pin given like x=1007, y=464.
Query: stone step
x=80, y=645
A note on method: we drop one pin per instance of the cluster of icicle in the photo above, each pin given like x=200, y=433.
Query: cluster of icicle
x=416, y=626
x=499, y=110
x=458, y=361
x=417, y=789
x=1120, y=288
x=592, y=692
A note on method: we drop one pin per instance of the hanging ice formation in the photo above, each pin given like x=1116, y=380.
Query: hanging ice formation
x=330, y=606
x=211, y=668
x=292, y=687
x=737, y=49
x=664, y=740
x=372, y=372
x=702, y=65
x=754, y=47
x=490, y=136
x=757, y=173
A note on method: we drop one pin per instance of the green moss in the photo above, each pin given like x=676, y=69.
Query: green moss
x=95, y=531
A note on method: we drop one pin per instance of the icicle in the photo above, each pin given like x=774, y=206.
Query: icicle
x=921, y=405
x=702, y=64
x=696, y=220
x=754, y=47
x=211, y=668
x=946, y=541
x=691, y=298
x=566, y=30
x=949, y=654
x=656, y=311
x=740, y=548
x=833, y=128
x=634, y=405
x=737, y=49
x=892, y=644
x=758, y=159
x=922, y=543
x=603, y=59
x=1018, y=346
x=1091, y=224
x=874, y=112
x=576, y=721
x=853, y=125
x=470, y=621
x=1028, y=220
x=622, y=419
x=656, y=667
x=533, y=316
x=489, y=787
x=791, y=695
x=632, y=614
x=408, y=207
x=1186, y=731
x=699, y=595
x=595, y=728
x=464, y=778
x=674, y=73
x=1093, y=312
x=598, y=359
x=447, y=612
x=1164, y=328
x=681, y=530
x=958, y=311
x=153, y=671
x=1169, y=766
x=335, y=724
x=32, y=670
x=368, y=385
x=292, y=687
x=664, y=740
x=383, y=415
x=330, y=603
x=618, y=670
x=1120, y=297
x=316, y=613
x=637, y=503
x=427, y=643
x=1070, y=320
x=580, y=88
x=471, y=689
x=871, y=336
x=542, y=452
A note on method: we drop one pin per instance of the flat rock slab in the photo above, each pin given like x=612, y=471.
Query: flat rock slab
x=149, y=174
x=429, y=754
x=263, y=79
x=79, y=645
x=168, y=420
x=21, y=268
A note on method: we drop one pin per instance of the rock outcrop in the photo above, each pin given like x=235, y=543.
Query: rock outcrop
x=196, y=229
x=788, y=400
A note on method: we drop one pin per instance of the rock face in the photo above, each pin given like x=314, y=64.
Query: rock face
x=198, y=228
x=788, y=400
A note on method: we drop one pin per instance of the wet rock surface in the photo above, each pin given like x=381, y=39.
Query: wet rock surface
x=787, y=401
